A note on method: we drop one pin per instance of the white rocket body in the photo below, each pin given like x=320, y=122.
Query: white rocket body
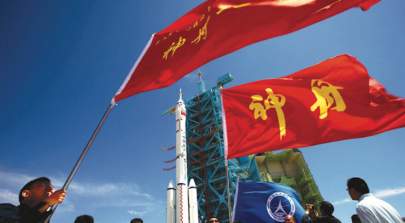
x=182, y=204
x=181, y=164
x=193, y=203
x=171, y=203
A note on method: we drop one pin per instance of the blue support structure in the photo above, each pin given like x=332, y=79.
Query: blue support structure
x=206, y=162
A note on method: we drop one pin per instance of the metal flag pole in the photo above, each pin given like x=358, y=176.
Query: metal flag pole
x=83, y=154
x=226, y=157
x=228, y=188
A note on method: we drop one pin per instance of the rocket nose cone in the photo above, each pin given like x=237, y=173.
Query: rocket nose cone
x=170, y=186
x=192, y=183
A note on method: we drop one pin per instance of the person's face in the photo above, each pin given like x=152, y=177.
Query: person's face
x=213, y=220
x=41, y=191
x=289, y=219
x=353, y=194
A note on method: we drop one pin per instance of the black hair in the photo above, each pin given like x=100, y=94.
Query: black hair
x=355, y=219
x=137, y=220
x=326, y=208
x=29, y=185
x=306, y=219
x=358, y=184
x=208, y=220
x=84, y=219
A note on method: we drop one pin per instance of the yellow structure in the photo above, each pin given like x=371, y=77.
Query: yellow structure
x=289, y=168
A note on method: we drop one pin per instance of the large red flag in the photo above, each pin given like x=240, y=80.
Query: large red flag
x=218, y=27
x=331, y=101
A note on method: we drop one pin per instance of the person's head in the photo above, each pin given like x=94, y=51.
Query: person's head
x=35, y=191
x=355, y=219
x=357, y=187
x=306, y=219
x=326, y=208
x=137, y=220
x=213, y=220
x=289, y=219
x=84, y=219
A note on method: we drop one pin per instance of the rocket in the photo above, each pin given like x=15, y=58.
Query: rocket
x=182, y=204
x=181, y=163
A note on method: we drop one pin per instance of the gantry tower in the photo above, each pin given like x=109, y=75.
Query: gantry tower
x=206, y=161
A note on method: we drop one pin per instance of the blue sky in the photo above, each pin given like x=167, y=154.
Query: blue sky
x=62, y=61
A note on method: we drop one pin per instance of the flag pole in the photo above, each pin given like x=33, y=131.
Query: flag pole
x=224, y=132
x=229, y=191
x=84, y=153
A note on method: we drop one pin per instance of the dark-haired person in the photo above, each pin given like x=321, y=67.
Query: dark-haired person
x=355, y=219
x=36, y=198
x=213, y=220
x=84, y=219
x=371, y=209
x=137, y=220
x=326, y=209
x=289, y=219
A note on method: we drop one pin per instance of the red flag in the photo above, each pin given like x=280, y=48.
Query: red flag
x=218, y=27
x=331, y=101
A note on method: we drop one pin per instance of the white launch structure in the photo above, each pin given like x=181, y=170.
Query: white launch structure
x=182, y=204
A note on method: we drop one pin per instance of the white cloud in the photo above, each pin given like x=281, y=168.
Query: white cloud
x=137, y=213
x=390, y=192
x=343, y=201
x=13, y=179
x=383, y=193
x=67, y=207
x=128, y=196
x=6, y=196
x=108, y=189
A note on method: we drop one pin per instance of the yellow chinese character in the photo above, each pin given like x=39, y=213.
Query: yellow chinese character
x=223, y=7
x=326, y=95
x=173, y=47
x=202, y=17
x=258, y=109
x=202, y=32
x=195, y=24
x=273, y=101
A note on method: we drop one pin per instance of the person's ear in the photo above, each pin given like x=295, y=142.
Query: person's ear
x=26, y=194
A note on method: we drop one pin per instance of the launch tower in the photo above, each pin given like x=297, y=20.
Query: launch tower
x=206, y=163
x=205, y=151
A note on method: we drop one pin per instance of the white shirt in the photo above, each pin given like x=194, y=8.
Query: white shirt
x=373, y=210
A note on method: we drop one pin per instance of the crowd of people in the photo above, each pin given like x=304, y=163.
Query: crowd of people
x=38, y=196
x=369, y=208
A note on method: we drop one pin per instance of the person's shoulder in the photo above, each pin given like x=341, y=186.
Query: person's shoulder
x=335, y=220
x=5, y=206
x=327, y=219
x=367, y=199
x=8, y=213
x=363, y=207
x=8, y=209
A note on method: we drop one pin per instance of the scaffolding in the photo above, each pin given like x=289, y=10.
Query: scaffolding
x=206, y=162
